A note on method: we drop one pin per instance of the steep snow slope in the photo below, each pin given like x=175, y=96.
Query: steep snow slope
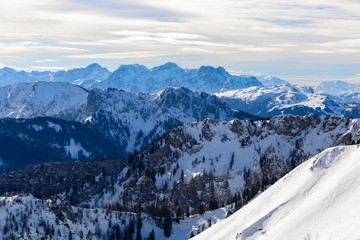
x=26, y=100
x=284, y=99
x=138, y=78
x=317, y=200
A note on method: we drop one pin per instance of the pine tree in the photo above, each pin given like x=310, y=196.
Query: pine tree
x=167, y=224
x=232, y=160
x=138, y=227
x=151, y=235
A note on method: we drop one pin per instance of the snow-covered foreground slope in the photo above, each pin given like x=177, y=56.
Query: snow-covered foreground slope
x=285, y=99
x=317, y=200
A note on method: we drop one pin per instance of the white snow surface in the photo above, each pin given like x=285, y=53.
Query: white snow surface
x=317, y=200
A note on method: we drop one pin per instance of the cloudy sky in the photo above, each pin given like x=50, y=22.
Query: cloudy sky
x=299, y=40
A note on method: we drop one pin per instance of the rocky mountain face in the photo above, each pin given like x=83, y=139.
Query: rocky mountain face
x=133, y=120
x=196, y=167
x=286, y=99
x=123, y=120
x=208, y=161
x=43, y=139
x=138, y=78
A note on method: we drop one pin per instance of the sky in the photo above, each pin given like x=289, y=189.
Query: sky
x=299, y=40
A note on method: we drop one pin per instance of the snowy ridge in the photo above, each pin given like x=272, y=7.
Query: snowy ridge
x=317, y=200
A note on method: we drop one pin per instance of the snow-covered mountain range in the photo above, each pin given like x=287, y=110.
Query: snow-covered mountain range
x=130, y=120
x=138, y=78
x=194, y=168
x=317, y=200
x=287, y=99
x=179, y=148
x=133, y=120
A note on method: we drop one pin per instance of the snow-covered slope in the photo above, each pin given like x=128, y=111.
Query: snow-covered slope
x=284, y=99
x=138, y=78
x=84, y=77
x=317, y=200
x=25, y=100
